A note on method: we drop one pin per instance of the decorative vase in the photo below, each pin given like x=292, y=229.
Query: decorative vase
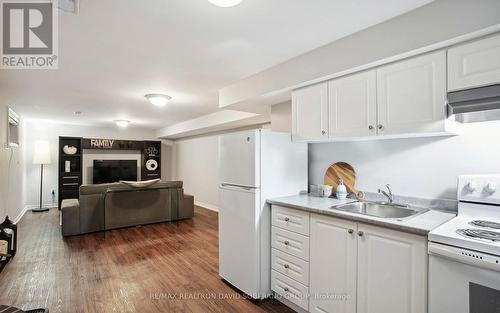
x=69, y=149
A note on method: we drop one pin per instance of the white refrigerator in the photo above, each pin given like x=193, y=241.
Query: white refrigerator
x=254, y=165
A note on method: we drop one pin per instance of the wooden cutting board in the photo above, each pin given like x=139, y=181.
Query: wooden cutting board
x=341, y=170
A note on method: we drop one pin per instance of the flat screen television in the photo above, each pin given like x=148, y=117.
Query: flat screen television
x=111, y=171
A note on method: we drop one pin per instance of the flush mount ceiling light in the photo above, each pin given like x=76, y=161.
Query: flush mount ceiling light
x=122, y=123
x=225, y=3
x=158, y=99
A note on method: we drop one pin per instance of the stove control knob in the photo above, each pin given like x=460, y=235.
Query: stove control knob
x=471, y=186
x=490, y=188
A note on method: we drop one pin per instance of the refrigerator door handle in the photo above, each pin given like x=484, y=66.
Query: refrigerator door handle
x=224, y=185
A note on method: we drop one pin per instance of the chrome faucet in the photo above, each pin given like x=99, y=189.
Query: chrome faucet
x=389, y=194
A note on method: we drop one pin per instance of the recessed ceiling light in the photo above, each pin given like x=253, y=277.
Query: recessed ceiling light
x=225, y=3
x=122, y=123
x=158, y=99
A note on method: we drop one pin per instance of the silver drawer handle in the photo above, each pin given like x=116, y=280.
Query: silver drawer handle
x=286, y=242
x=286, y=219
x=360, y=233
x=350, y=231
x=286, y=266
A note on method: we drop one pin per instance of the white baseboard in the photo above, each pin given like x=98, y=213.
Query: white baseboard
x=36, y=206
x=20, y=215
x=208, y=206
x=31, y=207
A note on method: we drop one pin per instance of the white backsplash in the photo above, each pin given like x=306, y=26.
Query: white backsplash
x=417, y=167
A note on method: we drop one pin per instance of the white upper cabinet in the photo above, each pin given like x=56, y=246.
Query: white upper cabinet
x=392, y=271
x=310, y=112
x=333, y=264
x=411, y=95
x=475, y=64
x=352, y=105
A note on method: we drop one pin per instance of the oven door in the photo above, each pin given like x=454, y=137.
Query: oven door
x=462, y=281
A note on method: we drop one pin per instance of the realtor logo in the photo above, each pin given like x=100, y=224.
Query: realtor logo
x=29, y=34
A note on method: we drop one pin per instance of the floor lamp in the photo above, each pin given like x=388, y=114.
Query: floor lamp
x=41, y=156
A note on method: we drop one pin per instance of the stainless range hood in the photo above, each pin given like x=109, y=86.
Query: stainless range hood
x=475, y=105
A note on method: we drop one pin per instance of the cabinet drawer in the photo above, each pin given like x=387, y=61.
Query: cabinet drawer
x=290, y=242
x=291, y=219
x=290, y=289
x=290, y=266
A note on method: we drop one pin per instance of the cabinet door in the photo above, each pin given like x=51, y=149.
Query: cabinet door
x=332, y=265
x=411, y=95
x=475, y=64
x=352, y=105
x=310, y=112
x=392, y=271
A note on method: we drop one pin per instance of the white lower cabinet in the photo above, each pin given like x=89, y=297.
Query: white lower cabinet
x=333, y=265
x=392, y=271
x=350, y=267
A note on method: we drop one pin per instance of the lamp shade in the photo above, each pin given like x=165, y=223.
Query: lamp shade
x=42, y=152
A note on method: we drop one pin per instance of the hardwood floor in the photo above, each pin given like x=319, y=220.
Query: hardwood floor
x=169, y=267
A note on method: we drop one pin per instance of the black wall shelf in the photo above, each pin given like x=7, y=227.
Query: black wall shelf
x=70, y=182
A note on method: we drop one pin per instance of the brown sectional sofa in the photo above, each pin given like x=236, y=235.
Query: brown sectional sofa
x=110, y=206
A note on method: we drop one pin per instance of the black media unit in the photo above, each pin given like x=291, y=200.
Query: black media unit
x=70, y=181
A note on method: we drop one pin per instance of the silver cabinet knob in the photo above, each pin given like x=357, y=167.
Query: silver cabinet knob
x=380, y=126
x=286, y=266
x=286, y=219
x=285, y=289
x=360, y=233
x=370, y=127
x=323, y=132
x=286, y=242
x=350, y=231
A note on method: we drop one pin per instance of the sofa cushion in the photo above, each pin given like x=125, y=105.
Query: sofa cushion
x=70, y=203
x=96, y=188
x=140, y=184
x=102, y=188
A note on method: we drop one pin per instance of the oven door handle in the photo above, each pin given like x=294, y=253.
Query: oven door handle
x=465, y=256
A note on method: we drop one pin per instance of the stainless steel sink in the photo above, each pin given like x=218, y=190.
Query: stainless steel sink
x=381, y=209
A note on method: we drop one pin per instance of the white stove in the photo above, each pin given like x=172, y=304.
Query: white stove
x=464, y=253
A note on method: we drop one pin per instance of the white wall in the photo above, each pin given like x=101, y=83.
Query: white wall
x=197, y=165
x=11, y=172
x=421, y=167
x=281, y=117
x=47, y=130
x=195, y=159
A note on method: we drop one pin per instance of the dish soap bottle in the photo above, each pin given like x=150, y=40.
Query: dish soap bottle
x=341, y=192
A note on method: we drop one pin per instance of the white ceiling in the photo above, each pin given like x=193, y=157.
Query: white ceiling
x=115, y=51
